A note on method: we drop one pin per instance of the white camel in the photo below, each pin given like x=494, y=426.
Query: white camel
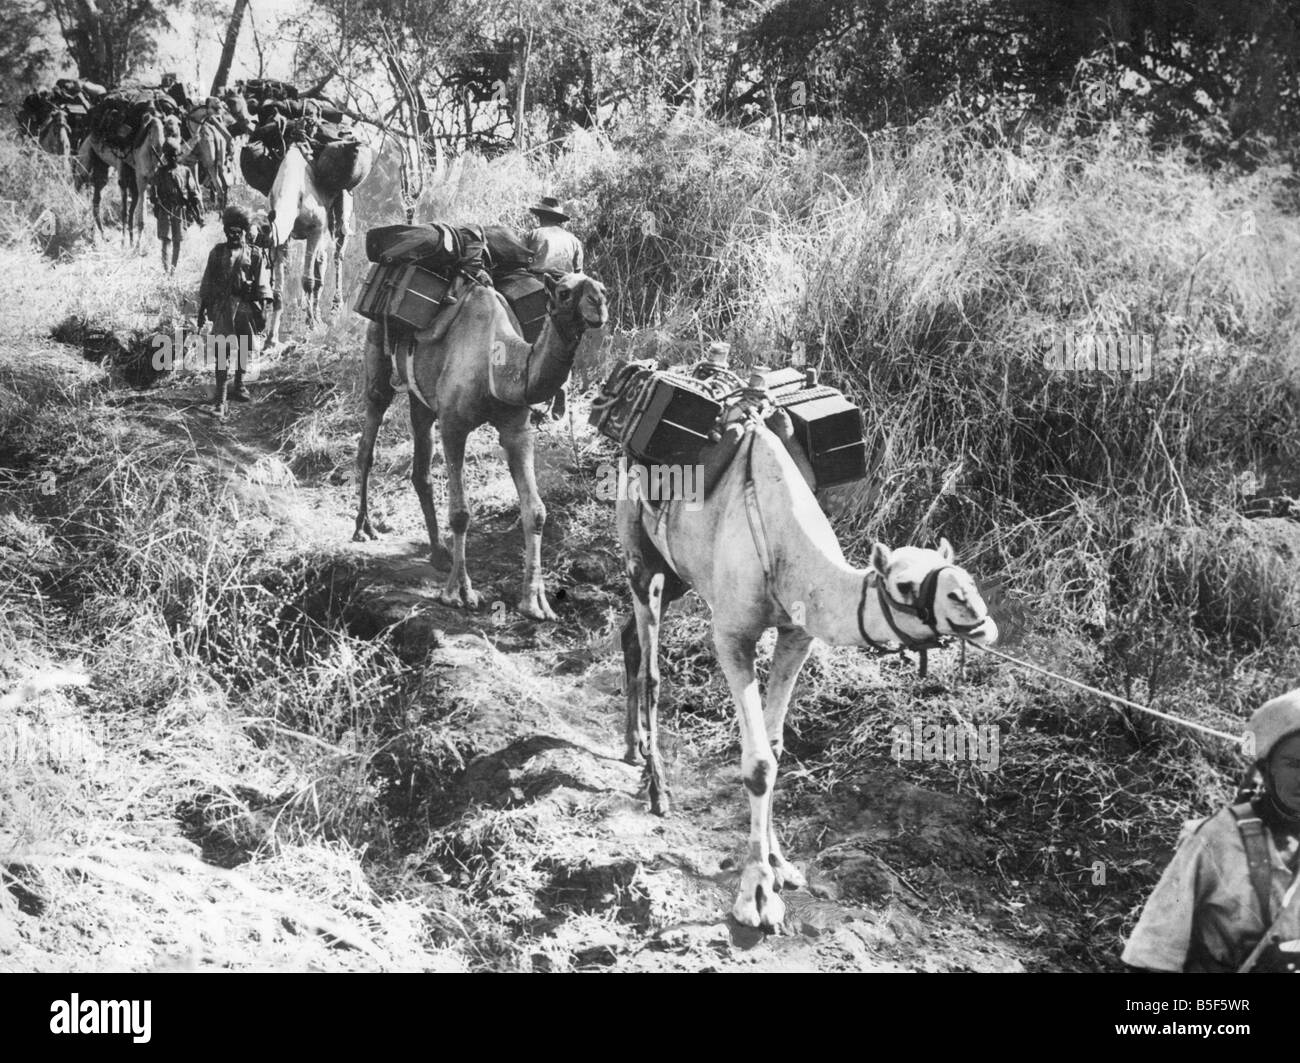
x=300, y=210
x=760, y=551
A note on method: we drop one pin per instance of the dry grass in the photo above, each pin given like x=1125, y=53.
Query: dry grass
x=924, y=273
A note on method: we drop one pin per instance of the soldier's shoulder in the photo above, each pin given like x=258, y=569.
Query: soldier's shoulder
x=1217, y=831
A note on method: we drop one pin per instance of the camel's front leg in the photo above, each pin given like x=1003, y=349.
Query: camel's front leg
x=341, y=223
x=97, y=191
x=422, y=478
x=458, y=590
x=141, y=198
x=518, y=445
x=757, y=903
x=313, y=279
x=379, y=395
x=279, y=271
x=792, y=647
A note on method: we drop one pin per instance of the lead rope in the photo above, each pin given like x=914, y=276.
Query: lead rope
x=1179, y=720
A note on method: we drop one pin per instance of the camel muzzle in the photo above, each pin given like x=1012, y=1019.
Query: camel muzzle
x=985, y=630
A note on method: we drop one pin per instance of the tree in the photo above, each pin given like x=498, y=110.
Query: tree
x=109, y=39
x=1224, y=76
x=228, y=49
x=25, y=59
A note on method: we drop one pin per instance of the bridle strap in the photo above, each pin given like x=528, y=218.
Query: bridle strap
x=923, y=610
x=570, y=332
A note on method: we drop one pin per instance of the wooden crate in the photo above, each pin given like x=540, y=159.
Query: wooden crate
x=675, y=423
x=408, y=296
x=529, y=299
x=417, y=297
x=370, y=300
x=829, y=427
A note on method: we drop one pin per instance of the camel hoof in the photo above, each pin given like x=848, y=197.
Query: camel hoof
x=786, y=874
x=533, y=612
x=460, y=597
x=365, y=534
x=758, y=904
x=632, y=755
x=536, y=606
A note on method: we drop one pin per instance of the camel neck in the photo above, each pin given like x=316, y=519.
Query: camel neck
x=813, y=579
x=554, y=333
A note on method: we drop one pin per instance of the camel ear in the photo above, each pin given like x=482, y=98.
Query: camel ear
x=880, y=555
x=551, y=284
x=945, y=551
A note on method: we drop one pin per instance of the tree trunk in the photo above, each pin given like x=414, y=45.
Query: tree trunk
x=228, y=49
x=525, y=47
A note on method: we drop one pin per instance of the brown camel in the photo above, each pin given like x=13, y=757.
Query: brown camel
x=55, y=136
x=210, y=153
x=448, y=377
x=760, y=551
x=137, y=168
x=95, y=159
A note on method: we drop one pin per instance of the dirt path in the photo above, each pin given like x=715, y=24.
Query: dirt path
x=549, y=822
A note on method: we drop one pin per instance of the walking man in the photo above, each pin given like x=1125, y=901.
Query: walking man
x=234, y=295
x=174, y=197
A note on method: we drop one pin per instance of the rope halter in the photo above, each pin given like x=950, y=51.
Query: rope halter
x=922, y=610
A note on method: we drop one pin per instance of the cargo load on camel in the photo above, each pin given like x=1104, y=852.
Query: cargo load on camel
x=118, y=117
x=420, y=271
x=676, y=417
x=415, y=265
x=338, y=159
x=73, y=97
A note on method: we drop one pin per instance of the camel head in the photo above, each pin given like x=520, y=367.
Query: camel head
x=578, y=301
x=929, y=594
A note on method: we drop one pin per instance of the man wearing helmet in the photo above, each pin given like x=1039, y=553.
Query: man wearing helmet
x=1228, y=899
x=174, y=196
x=233, y=295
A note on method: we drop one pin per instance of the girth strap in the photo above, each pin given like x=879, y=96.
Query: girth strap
x=755, y=515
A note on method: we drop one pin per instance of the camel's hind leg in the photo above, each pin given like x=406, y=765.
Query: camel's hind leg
x=654, y=587
x=757, y=903
x=792, y=647
x=517, y=441
x=379, y=396
x=634, y=734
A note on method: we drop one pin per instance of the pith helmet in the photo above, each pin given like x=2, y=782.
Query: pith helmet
x=235, y=218
x=1273, y=721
